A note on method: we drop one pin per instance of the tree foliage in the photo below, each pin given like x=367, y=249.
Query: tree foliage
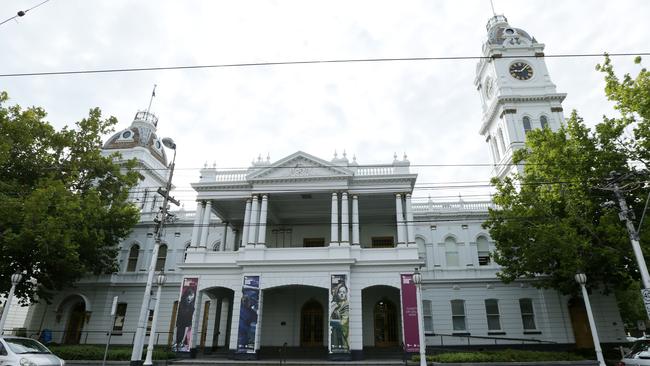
x=555, y=219
x=64, y=205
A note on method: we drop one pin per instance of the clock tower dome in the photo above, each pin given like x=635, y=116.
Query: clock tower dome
x=516, y=91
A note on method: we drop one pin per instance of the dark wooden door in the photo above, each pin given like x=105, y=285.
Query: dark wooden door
x=580, y=324
x=75, y=323
x=385, y=316
x=311, y=324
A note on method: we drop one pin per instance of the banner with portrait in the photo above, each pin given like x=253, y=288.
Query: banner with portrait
x=185, y=314
x=248, y=314
x=410, y=314
x=339, y=314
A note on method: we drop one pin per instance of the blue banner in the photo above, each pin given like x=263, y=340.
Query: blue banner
x=248, y=314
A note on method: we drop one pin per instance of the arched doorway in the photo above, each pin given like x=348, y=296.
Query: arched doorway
x=385, y=320
x=311, y=324
x=580, y=323
x=76, y=320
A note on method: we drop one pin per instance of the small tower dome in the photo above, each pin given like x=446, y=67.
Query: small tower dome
x=142, y=132
x=500, y=33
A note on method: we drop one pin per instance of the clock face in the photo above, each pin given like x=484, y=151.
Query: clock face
x=521, y=70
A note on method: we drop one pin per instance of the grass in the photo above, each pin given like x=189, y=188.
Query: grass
x=508, y=355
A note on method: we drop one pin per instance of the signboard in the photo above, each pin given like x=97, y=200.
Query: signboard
x=410, y=314
x=185, y=314
x=339, y=314
x=248, y=314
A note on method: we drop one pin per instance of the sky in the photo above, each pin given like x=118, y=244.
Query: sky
x=429, y=110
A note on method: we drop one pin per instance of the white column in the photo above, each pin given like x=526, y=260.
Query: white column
x=198, y=315
x=410, y=229
x=247, y=224
x=334, y=235
x=261, y=238
x=206, y=224
x=252, y=224
x=355, y=219
x=423, y=340
x=399, y=214
x=345, y=220
x=196, y=229
x=224, y=237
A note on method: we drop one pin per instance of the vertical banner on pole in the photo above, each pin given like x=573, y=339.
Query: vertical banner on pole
x=248, y=314
x=410, y=314
x=339, y=314
x=185, y=315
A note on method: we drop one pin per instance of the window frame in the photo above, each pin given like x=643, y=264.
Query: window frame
x=382, y=242
x=450, y=240
x=427, y=316
x=531, y=314
x=130, y=259
x=493, y=315
x=462, y=316
x=161, y=260
x=479, y=251
x=525, y=121
x=543, y=121
x=120, y=308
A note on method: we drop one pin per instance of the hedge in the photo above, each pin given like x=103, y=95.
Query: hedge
x=96, y=352
x=508, y=355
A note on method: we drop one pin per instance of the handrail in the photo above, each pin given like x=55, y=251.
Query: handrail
x=533, y=340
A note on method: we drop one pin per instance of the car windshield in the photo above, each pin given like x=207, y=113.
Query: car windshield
x=25, y=345
x=639, y=346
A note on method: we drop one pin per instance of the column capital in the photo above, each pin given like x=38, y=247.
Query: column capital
x=265, y=196
x=334, y=194
x=344, y=194
x=408, y=195
x=354, y=196
x=398, y=195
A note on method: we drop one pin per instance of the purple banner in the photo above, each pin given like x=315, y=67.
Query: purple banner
x=410, y=314
x=184, y=315
x=250, y=301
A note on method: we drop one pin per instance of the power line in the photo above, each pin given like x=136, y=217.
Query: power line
x=22, y=13
x=305, y=62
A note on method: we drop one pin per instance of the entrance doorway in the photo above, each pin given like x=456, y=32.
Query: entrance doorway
x=311, y=324
x=75, y=323
x=580, y=323
x=385, y=320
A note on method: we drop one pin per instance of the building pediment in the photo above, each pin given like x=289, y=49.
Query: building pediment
x=299, y=165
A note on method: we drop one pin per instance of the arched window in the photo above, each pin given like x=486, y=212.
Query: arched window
x=217, y=246
x=162, y=256
x=132, y=263
x=526, y=123
x=187, y=247
x=422, y=250
x=451, y=252
x=543, y=121
x=483, y=247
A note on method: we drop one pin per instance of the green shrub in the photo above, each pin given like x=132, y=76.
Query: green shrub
x=508, y=355
x=96, y=352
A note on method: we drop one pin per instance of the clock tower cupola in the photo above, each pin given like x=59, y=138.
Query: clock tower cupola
x=516, y=91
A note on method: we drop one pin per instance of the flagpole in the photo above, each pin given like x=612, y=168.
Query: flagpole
x=153, y=94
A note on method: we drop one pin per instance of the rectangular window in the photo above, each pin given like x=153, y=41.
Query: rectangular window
x=382, y=242
x=149, y=321
x=492, y=311
x=458, y=315
x=120, y=315
x=172, y=324
x=313, y=242
x=527, y=314
x=483, y=247
x=427, y=315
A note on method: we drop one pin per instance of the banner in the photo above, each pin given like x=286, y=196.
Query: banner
x=410, y=314
x=185, y=314
x=339, y=315
x=248, y=314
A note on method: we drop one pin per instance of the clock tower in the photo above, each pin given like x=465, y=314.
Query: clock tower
x=516, y=91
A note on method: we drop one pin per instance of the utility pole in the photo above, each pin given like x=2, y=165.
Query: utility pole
x=624, y=215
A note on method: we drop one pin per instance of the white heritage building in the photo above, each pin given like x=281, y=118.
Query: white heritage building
x=300, y=220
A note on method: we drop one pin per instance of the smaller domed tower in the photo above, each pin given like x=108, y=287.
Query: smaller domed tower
x=140, y=142
x=516, y=91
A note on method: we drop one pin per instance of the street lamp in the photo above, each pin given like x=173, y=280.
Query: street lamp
x=15, y=279
x=417, y=279
x=140, y=333
x=581, y=278
x=160, y=280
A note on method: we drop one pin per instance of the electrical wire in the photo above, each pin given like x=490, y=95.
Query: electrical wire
x=304, y=62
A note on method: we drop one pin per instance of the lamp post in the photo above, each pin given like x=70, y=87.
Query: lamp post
x=581, y=278
x=417, y=279
x=160, y=280
x=15, y=279
x=138, y=340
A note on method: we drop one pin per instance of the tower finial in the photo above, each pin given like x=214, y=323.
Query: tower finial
x=153, y=94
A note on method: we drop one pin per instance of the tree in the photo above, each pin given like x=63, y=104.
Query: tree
x=555, y=219
x=64, y=205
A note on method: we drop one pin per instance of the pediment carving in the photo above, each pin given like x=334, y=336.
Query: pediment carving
x=299, y=165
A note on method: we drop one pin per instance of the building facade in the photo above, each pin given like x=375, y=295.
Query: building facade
x=317, y=254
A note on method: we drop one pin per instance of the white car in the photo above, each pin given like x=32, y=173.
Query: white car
x=639, y=355
x=19, y=351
